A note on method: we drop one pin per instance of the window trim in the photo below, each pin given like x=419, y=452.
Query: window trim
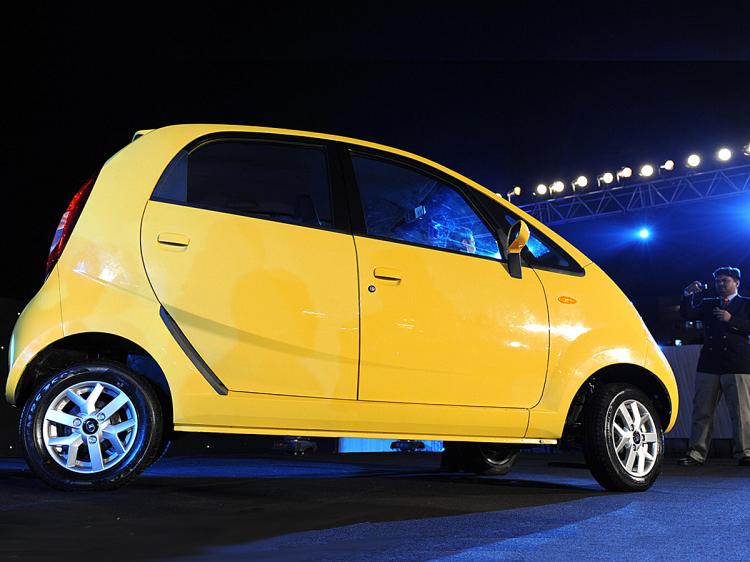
x=341, y=219
x=359, y=228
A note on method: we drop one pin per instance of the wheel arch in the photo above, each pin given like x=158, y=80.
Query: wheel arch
x=634, y=375
x=76, y=348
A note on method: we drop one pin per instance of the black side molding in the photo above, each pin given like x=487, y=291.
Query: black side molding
x=192, y=354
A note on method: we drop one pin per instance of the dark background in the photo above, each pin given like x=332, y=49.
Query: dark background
x=514, y=93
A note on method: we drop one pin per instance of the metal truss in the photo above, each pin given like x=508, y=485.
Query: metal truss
x=659, y=192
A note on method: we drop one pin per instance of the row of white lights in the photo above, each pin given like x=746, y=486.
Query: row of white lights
x=646, y=171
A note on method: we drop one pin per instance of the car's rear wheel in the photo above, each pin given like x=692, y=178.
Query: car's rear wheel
x=487, y=459
x=623, y=438
x=96, y=425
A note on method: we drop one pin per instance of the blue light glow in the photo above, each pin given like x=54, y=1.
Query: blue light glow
x=644, y=233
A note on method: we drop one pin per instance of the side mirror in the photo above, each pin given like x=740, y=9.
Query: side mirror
x=518, y=236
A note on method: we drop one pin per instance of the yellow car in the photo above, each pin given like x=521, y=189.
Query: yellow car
x=248, y=280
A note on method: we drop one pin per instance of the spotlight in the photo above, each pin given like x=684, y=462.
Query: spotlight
x=606, y=177
x=624, y=172
x=541, y=189
x=557, y=187
x=580, y=181
x=647, y=170
x=693, y=161
x=724, y=154
x=746, y=149
x=516, y=191
x=644, y=233
x=668, y=165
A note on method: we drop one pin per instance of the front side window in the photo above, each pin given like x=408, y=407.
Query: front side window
x=283, y=182
x=539, y=251
x=401, y=203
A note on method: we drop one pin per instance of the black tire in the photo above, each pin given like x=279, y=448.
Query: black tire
x=486, y=459
x=142, y=441
x=599, y=442
x=162, y=451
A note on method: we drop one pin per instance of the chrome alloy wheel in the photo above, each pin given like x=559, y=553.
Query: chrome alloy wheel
x=634, y=437
x=90, y=427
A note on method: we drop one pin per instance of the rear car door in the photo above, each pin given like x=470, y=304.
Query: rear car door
x=246, y=243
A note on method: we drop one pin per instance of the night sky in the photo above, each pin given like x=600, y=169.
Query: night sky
x=511, y=94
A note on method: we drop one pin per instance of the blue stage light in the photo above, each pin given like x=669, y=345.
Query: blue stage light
x=644, y=233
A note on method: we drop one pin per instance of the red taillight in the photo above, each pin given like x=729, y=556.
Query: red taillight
x=67, y=222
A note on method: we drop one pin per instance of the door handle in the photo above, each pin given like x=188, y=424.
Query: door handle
x=387, y=273
x=173, y=239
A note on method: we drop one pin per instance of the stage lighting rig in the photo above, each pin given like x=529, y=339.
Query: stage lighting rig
x=557, y=187
x=724, y=154
x=746, y=149
x=515, y=192
x=580, y=181
x=647, y=170
x=606, y=178
x=541, y=189
x=668, y=166
x=693, y=161
x=624, y=172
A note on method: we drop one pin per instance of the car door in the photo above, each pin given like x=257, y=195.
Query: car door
x=443, y=321
x=246, y=243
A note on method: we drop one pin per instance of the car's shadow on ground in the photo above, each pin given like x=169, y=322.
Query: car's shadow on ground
x=182, y=506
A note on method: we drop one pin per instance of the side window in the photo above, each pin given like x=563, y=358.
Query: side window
x=283, y=182
x=401, y=203
x=540, y=251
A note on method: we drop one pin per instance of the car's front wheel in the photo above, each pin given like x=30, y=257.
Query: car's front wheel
x=96, y=425
x=623, y=438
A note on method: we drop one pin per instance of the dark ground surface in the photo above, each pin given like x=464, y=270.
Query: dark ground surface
x=376, y=507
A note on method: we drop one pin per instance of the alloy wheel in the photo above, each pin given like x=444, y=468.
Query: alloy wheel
x=634, y=437
x=90, y=427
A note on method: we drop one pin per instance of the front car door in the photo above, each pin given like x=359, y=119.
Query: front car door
x=443, y=322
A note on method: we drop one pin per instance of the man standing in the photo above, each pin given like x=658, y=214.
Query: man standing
x=724, y=364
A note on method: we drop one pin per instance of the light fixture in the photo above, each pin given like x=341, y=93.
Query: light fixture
x=693, y=161
x=647, y=170
x=668, y=165
x=624, y=172
x=746, y=149
x=606, y=178
x=644, y=233
x=541, y=189
x=515, y=192
x=724, y=154
x=557, y=186
x=580, y=181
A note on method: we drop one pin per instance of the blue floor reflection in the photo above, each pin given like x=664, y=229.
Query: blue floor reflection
x=384, y=507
